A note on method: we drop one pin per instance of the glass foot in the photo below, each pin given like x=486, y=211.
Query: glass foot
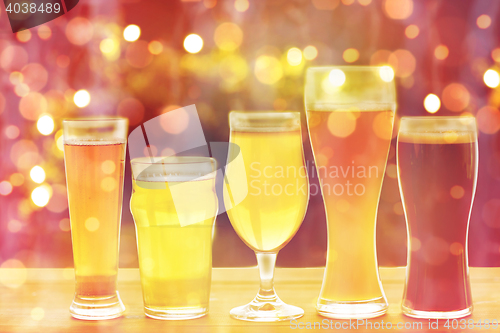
x=436, y=314
x=266, y=309
x=97, y=308
x=174, y=314
x=352, y=310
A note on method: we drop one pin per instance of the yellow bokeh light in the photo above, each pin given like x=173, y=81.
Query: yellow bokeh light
x=22, y=90
x=209, y=3
x=193, y=43
x=294, y=56
x=341, y=124
x=483, y=21
x=45, y=125
x=403, y=62
x=17, y=179
x=398, y=9
x=16, y=77
x=44, y=32
x=108, y=184
x=455, y=97
x=457, y=192
x=37, y=174
x=412, y=31
x=386, y=73
x=5, y=188
x=108, y=46
x=268, y=69
x=131, y=33
x=41, y=195
x=108, y=167
x=241, y=5
x=336, y=77
x=59, y=140
x=155, y=47
x=310, y=52
x=79, y=31
x=495, y=54
x=233, y=69
x=92, y=224
x=81, y=98
x=441, y=52
x=16, y=275
x=350, y=55
x=228, y=36
x=37, y=313
x=23, y=36
x=325, y=4
x=364, y=2
x=391, y=170
x=491, y=78
x=432, y=103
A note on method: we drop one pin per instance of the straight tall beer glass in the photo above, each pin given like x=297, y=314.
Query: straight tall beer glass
x=437, y=170
x=174, y=205
x=350, y=115
x=94, y=154
x=268, y=172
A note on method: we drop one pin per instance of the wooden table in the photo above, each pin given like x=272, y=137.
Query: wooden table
x=41, y=303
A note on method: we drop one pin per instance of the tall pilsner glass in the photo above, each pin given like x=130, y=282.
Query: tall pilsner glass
x=437, y=170
x=350, y=114
x=94, y=154
x=273, y=176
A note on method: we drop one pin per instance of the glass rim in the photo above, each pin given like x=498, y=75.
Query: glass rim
x=265, y=114
x=173, y=160
x=437, y=117
x=94, y=119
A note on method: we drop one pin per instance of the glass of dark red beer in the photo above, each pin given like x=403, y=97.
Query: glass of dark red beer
x=437, y=169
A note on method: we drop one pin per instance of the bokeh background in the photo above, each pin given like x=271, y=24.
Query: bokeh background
x=139, y=59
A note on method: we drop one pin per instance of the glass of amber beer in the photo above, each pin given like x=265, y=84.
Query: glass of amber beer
x=437, y=170
x=266, y=194
x=350, y=116
x=174, y=205
x=94, y=154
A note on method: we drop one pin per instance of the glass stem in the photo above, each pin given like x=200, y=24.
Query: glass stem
x=266, y=262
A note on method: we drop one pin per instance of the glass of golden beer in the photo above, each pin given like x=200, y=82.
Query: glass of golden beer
x=266, y=194
x=174, y=205
x=94, y=154
x=437, y=169
x=350, y=116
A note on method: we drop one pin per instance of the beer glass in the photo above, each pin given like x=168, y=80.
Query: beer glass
x=94, y=154
x=350, y=116
x=174, y=205
x=437, y=171
x=273, y=176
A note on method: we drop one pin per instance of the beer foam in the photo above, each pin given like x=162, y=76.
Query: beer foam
x=158, y=178
x=93, y=142
x=264, y=121
x=437, y=137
